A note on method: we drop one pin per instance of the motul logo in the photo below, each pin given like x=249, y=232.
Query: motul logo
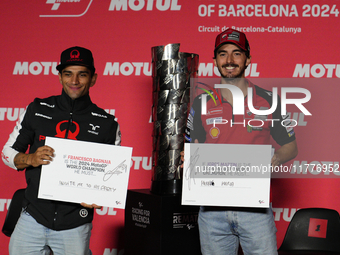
x=317, y=71
x=127, y=68
x=209, y=70
x=11, y=114
x=149, y=5
x=35, y=68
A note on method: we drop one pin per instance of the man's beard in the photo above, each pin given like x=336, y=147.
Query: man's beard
x=232, y=77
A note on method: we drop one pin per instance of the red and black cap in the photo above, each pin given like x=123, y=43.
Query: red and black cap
x=77, y=56
x=232, y=36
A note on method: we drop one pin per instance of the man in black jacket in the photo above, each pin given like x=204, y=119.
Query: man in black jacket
x=46, y=225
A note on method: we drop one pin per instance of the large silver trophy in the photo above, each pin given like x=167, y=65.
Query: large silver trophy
x=171, y=74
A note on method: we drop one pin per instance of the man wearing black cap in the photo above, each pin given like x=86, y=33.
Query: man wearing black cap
x=222, y=229
x=46, y=225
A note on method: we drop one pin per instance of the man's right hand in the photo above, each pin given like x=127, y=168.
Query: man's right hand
x=182, y=155
x=42, y=156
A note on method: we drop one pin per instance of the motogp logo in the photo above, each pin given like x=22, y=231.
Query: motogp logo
x=83, y=213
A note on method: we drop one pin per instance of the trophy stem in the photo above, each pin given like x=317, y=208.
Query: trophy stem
x=167, y=187
x=171, y=73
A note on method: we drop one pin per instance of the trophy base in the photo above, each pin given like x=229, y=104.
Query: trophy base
x=160, y=225
x=166, y=187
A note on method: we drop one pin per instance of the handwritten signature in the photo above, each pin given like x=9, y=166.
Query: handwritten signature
x=189, y=172
x=121, y=168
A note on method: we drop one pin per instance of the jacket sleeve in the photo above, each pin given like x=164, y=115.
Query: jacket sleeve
x=195, y=129
x=118, y=136
x=8, y=153
x=282, y=131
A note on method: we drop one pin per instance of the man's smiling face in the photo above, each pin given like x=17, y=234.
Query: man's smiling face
x=77, y=80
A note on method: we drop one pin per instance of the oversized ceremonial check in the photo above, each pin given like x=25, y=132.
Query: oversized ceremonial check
x=86, y=172
x=226, y=175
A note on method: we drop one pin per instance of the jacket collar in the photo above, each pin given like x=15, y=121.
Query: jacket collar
x=78, y=104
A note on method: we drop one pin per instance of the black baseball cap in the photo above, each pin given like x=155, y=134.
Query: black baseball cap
x=76, y=56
